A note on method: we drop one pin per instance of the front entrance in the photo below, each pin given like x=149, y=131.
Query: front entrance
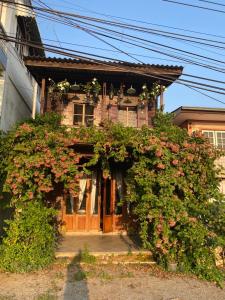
x=96, y=208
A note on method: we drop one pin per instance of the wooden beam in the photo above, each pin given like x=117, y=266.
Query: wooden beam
x=161, y=99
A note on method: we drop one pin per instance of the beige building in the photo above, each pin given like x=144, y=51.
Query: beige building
x=210, y=121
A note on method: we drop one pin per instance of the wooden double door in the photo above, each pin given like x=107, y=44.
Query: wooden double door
x=97, y=207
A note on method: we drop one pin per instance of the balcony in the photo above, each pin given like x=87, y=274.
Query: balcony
x=92, y=103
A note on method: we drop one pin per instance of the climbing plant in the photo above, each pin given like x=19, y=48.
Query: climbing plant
x=172, y=182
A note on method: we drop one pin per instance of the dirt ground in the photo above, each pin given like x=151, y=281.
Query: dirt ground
x=97, y=281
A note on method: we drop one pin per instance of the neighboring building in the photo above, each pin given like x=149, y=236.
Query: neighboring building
x=96, y=208
x=210, y=121
x=16, y=83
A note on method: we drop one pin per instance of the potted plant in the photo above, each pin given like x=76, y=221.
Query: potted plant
x=75, y=87
x=96, y=88
x=131, y=91
x=92, y=88
x=172, y=261
x=63, y=86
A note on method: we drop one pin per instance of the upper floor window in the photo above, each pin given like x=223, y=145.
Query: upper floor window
x=83, y=114
x=127, y=115
x=216, y=138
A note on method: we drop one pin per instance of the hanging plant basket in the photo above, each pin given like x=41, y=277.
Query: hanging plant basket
x=75, y=87
x=131, y=91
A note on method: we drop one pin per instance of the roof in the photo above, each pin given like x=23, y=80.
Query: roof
x=108, y=62
x=51, y=66
x=196, y=113
x=31, y=27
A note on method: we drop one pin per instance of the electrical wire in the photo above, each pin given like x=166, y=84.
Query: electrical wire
x=152, y=76
x=150, y=41
x=212, y=2
x=123, y=68
x=195, y=6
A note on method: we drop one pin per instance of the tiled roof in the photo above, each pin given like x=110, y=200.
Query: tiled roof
x=115, y=63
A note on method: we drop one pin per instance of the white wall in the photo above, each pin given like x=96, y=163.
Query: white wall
x=16, y=103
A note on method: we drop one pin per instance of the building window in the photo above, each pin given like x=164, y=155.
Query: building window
x=216, y=138
x=83, y=114
x=19, y=37
x=127, y=115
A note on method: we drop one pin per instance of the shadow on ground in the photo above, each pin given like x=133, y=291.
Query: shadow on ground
x=76, y=287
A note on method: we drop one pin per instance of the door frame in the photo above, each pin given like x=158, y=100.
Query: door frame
x=113, y=222
x=89, y=222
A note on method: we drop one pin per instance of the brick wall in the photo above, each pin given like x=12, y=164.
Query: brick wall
x=105, y=109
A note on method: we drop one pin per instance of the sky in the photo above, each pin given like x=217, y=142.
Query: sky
x=154, y=12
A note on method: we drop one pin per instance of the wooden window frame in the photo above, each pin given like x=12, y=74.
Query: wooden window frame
x=127, y=109
x=83, y=115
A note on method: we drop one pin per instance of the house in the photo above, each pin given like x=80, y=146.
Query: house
x=209, y=121
x=88, y=93
x=19, y=93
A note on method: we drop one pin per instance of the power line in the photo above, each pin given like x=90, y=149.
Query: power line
x=147, y=23
x=157, y=51
x=180, y=58
x=181, y=80
x=203, y=78
x=216, y=69
x=123, y=68
x=195, y=6
x=154, y=76
x=129, y=26
x=211, y=2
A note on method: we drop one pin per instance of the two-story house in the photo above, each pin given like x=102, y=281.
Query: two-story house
x=209, y=121
x=19, y=93
x=115, y=97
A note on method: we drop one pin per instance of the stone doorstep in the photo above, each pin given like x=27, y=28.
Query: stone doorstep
x=148, y=263
x=69, y=254
x=92, y=233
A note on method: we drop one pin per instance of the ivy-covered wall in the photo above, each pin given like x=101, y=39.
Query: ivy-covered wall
x=172, y=183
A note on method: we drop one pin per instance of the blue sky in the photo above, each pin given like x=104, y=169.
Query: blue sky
x=153, y=11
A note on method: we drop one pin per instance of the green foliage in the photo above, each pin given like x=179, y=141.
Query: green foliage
x=30, y=240
x=86, y=257
x=80, y=275
x=172, y=183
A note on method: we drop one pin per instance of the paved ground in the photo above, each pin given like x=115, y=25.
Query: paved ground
x=66, y=281
x=98, y=244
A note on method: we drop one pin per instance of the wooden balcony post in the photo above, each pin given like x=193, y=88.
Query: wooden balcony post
x=161, y=99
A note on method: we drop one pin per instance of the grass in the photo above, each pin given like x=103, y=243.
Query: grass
x=105, y=276
x=46, y=296
x=86, y=257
